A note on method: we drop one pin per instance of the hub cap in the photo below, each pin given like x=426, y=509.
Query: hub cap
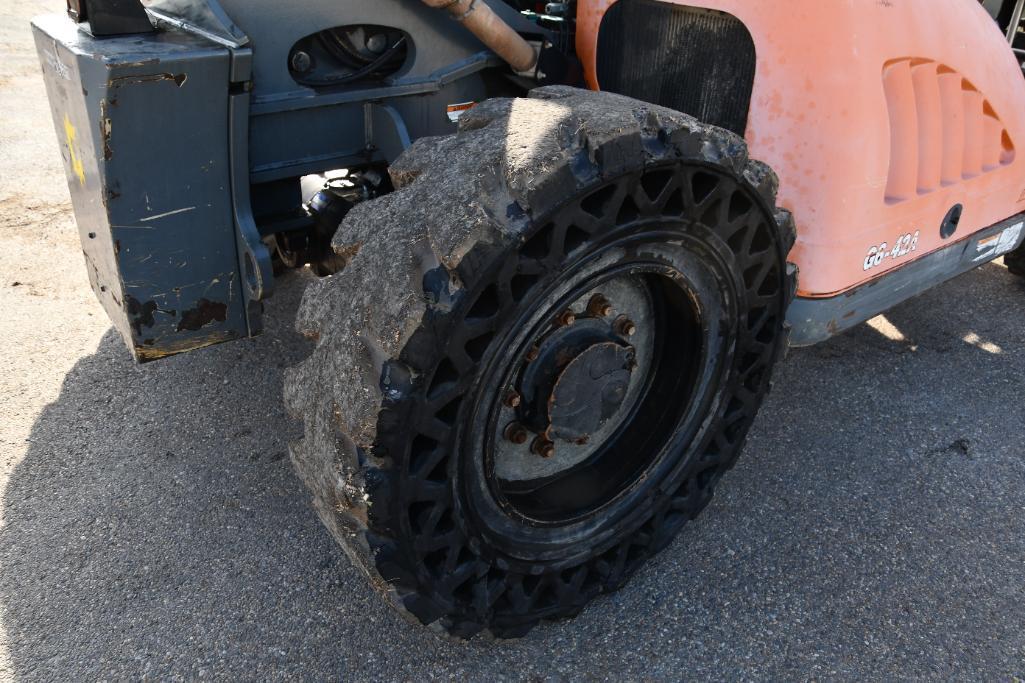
x=589, y=391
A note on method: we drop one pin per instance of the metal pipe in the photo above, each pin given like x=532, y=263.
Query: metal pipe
x=1012, y=29
x=482, y=22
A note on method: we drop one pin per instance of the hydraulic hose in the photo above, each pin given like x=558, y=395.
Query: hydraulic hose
x=489, y=28
x=362, y=72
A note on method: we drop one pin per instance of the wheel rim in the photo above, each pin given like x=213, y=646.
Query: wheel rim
x=598, y=395
x=516, y=515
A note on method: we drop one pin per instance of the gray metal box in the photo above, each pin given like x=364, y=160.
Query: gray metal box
x=143, y=127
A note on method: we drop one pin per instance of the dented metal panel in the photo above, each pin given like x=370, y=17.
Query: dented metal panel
x=144, y=131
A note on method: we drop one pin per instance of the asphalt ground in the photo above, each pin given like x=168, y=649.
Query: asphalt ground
x=151, y=525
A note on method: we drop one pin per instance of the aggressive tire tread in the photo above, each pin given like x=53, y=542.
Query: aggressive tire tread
x=459, y=200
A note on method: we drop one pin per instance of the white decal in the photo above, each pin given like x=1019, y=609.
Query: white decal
x=997, y=245
x=904, y=245
x=455, y=111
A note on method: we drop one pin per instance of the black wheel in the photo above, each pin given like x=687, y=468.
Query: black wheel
x=549, y=346
x=1015, y=261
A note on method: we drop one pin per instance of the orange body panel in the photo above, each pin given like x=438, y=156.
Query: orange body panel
x=878, y=117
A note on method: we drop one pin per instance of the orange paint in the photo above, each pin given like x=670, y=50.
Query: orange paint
x=878, y=117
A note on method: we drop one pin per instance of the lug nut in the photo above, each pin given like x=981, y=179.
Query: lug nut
x=512, y=399
x=626, y=327
x=543, y=447
x=599, y=306
x=532, y=354
x=516, y=433
x=566, y=318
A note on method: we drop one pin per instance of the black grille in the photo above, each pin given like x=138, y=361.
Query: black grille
x=697, y=61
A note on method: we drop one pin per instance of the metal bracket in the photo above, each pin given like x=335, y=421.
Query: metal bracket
x=254, y=259
x=385, y=130
x=202, y=17
x=110, y=17
x=1012, y=28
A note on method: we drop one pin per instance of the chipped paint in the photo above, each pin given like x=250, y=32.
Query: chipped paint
x=160, y=349
x=177, y=79
x=205, y=313
x=105, y=128
x=140, y=314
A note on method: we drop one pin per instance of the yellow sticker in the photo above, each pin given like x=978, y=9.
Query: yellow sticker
x=76, y=162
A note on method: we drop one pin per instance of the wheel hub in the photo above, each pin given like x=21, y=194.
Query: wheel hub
x=574, y=378
x=579, y=372
x=573, y=381
x=574, y=411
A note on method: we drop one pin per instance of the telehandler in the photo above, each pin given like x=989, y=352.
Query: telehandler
x=554, y=280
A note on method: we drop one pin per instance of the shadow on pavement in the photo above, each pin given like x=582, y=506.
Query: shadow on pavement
x=875, y=527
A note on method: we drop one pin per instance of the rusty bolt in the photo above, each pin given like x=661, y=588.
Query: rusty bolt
x=516, y=433
x=532, y=354
x=512, y=399
x=626, y=327
x=301, y=61
x=599, y=306
x=583, y=441
x=567, y=317
x=543, y=447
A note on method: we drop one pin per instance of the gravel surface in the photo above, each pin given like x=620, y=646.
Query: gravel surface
x=151, y=526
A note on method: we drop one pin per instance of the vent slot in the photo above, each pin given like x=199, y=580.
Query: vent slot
x=698, y=61
x=942, y=130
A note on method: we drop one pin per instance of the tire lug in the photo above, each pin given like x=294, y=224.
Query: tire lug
x=512, y=399
x=543, y=447
x=532, y=354
x=624, y=326
x=516, y=433
x=599, y=306
x=566, y=318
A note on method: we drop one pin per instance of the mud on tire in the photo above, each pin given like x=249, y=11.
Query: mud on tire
x=453, y=289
